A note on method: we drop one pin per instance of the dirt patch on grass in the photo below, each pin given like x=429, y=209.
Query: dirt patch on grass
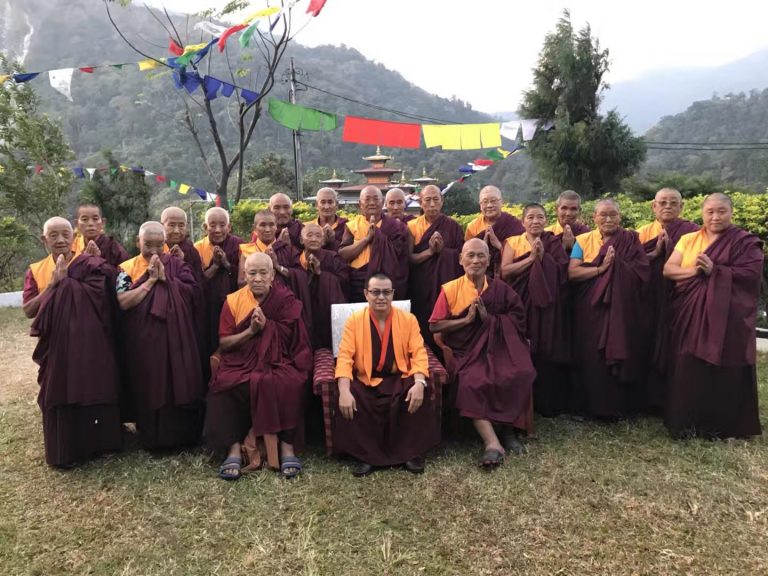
x=19, y=381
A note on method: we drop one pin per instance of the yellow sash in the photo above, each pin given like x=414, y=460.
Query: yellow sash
x=135, y=267
x=649, y=231
x=519, y=245
x=241, y=303
x=691, y=245
x=418, y=227
x=591, y=243
x=461, y=292
x=358, y=226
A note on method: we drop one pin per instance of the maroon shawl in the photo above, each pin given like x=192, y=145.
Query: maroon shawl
x=111, y=250
x=427, y=278
x=217, y=288
x=505, y=226
x=389, y=255
x=75, y=350
x=276, y=363
x=338, y=234
x=543, y=290
x=159, y=343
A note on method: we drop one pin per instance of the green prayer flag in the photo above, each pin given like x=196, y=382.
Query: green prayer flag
x=245, y=37
x=298, y=117
x=118, y=66
x=113, y=171
x=494, y=155
x=173, y=184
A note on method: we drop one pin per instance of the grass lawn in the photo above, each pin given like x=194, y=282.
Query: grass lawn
x=588, y=499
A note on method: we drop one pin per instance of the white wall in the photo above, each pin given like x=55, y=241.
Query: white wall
x=10, y=300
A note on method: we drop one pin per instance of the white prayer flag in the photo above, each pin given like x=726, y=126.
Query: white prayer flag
x=61, y=81
x=529, y=128
x=509, y=130
x=210, y=28
x=91, y=172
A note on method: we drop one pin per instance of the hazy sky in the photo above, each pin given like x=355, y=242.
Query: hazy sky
x=483, y=51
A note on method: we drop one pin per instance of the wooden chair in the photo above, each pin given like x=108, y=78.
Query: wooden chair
x=324, y=379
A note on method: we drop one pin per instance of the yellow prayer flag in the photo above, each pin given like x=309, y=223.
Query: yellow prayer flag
x=2, y=168
x=148, y=65
x=194, y=47
x=470, y=136
x=261, y=14
x=490, y=134
x=184, y=188
x=449, y=136
x=4, y=77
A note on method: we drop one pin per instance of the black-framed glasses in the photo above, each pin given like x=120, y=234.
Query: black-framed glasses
x=376, y=292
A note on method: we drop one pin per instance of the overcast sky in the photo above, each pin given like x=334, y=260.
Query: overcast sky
x=483, y=51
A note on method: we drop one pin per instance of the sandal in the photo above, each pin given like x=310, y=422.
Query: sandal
x=290, y=467
x=491, y=459
x=513, y=444
x=230, y=468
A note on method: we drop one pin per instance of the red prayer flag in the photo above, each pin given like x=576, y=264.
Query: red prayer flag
x=86, y=69
x=38, y=168
x=381, y=133
x=227, y=33
x=159, y=179
x=483, y=162
x=174, y=48
x=315, y=6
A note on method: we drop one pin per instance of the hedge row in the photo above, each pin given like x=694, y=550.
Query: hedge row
x=750, y=212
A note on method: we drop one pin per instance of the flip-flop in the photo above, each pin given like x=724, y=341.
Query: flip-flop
x=513, y=444
x=230, y=465
x=290, y=467
x=491, y=459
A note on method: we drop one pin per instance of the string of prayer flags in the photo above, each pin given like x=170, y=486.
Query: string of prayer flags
x=194, y=53
x=298, y=117
x=61, y=81
x=462, y=136
x=381, y=133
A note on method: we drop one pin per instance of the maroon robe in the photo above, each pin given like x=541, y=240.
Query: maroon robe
x=163, y=360
x=338, y=234
x=576, y=229
x=217, y=288
x=296, y=280
x=543, y=288
x=493, y=363
x=656, y=313
x=607, y=345
x=713, y=384
x=78, y=373
x=270, y=369
x=389, y=255
x=505, y=226
x=426, y=278
x=111, y=250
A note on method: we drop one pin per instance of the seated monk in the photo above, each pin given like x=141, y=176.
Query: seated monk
x=158, y=294
x=90, y=227
x=375, y=243
x=386, y=416
x=494, y=226
x=70, y=298
x=568, y=225
x=609, y=278
x=395, y=203
x=483, y=322
x=435, y=242
x=220, y=255
x=326, y=276
x=712, y=315
x=333, y=225
x=536, y=266
x=262, y=380
x=281, y=206
x=659, y=239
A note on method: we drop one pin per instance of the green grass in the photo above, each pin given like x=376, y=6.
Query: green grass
x=588, y=499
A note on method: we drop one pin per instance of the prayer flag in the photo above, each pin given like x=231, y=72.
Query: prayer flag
x=212, y=86
x=529, y=128
x=87, y=69
x=174, y=184
x=298, y=117
x=227, y=33
x=210, y=28
x=184, y=188
x=483, y=162
x=509, y=130
x=315, y=6
x=174, y=48
x=19, y=78
x=447, y=136
x=91, y=172
x=202, y=193
x=38, y=168
x=4, y=77
x=245, y=37
x=159, y=179
x=148, y=64
x=78, y=172
x=227, y=89
x=261, y=14
x=381, y=133
x=249, y=96
x=194, y=53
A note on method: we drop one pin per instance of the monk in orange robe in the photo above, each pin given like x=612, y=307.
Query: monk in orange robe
x=70, y=298
x=220, y=256
x=263, y=377
x=281, y=206
x=494, y=226
x=158, y=295
x=90, y=226
x=375, y=243
x=711, y=323
x=395, y=202
x=386, y=416
x=482, y=321
x=568, y=224
x=263, y=236
x=333, y=225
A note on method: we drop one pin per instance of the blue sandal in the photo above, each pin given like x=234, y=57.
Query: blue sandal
x=290, y=467
x=230, y=468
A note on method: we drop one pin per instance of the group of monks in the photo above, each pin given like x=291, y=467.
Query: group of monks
x=215, y=340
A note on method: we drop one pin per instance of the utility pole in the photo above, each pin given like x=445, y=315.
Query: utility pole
x=298, y=169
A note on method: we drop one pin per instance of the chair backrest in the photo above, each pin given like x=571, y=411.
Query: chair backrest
x=341, y=312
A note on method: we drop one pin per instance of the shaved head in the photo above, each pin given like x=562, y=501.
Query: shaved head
x=490, y=192
x=173, y=212
x=431, y=188
x=475, y=244
x=326, y=193
x=311, y=227
x=279, y=198
x=718, y=197
x=259, y=259
x=371, y=190
x=371, y=202
x=608, y=202
x=56, y=221
x=151, y=228
x=667, y=192
x=216, y=211
x=394, y=192
x=568, y=195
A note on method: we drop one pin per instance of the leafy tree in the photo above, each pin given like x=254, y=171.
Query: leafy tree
x=587, y=152
x=123, y=196
x=459, y=200
x=275, y=168
x=689, y=186
x=16, y=250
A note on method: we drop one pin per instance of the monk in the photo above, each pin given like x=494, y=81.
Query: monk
x=288, y=228
x=220, y=255
x=536, y=266
x=70, y=298
x=659, y=239
x=333, y=225
x=568, y=224
x=395, y=203
x=386, y=416
x=177, y=243
x=263, y=236
x=609, y=275
x=434, y=242
x=493, y=226
x=158, y=293
x=326, y=276
x=262, y=380
x=375, y=243
x=90, y=226
x=482, y=321
x=712, y=315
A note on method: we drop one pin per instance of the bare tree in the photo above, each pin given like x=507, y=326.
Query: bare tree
x=220, y=157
